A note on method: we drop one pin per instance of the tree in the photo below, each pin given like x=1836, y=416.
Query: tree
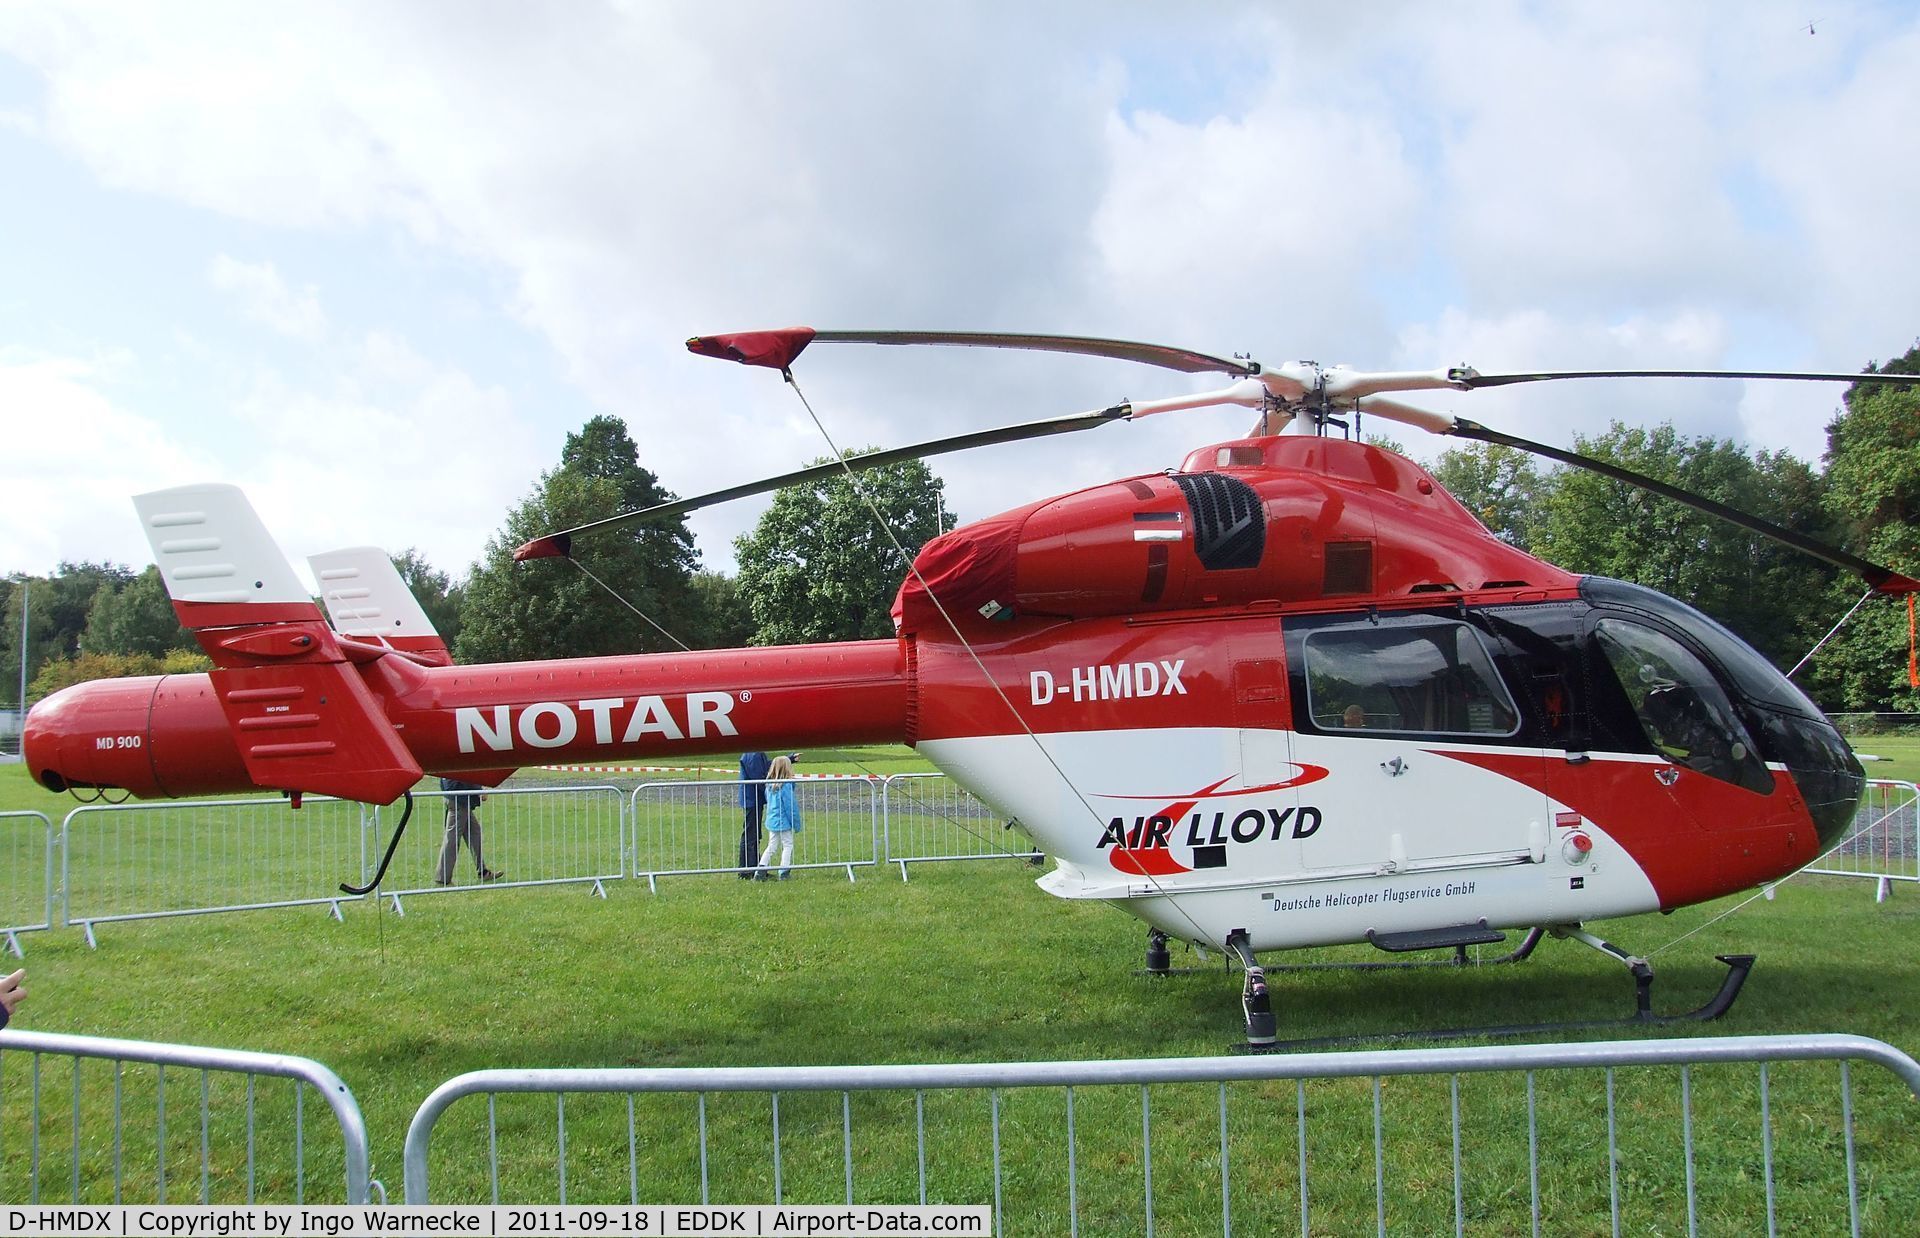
x=435, y=591
x=136, y=618
x=61, y=673
x=18, y=594
x=723, y=620
x=1500, y=485
x=1873, y=473
x=58, y=607
x=818, y=566
x=550, y=608
x=1764, y=591
x=70, y=599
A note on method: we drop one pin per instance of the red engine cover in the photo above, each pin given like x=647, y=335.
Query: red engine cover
x=1285, y=519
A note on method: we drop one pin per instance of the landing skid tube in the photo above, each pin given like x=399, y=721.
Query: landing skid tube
x=1260, y=1037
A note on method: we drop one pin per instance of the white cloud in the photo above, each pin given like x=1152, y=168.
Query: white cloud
x=1529, y=340
x=74, y=457
x=264, y=297
x=1518, y=188
x=1229, y=219
x=395, y=451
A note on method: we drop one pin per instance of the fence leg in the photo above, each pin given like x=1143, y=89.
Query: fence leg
x=13, y=945
x=903, y=871
x=333, y=906
x=398, y=910
x=86, y=927
x=1884, y=890
x=849, y=874
x=599, y=890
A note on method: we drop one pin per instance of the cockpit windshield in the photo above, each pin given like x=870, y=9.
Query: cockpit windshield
x=1752, y=675
x=1683, y=710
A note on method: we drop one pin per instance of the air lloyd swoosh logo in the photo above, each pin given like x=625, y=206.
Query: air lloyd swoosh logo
x=1143, y=846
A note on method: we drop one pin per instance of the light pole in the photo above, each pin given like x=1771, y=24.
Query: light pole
x=26, y=600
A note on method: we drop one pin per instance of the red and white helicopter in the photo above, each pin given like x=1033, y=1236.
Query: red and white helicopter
x=1290, y=693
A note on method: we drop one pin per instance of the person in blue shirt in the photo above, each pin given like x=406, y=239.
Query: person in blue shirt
x=783, y=818
x=753, y=801
x=463, y=822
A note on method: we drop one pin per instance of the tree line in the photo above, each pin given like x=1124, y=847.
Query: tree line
x=823, y=561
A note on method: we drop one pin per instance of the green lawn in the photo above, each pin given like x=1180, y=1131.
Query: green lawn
x=967, y=962
x=1899, y=756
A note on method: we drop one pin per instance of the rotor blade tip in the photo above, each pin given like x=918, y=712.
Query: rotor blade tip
x=773, y=349
x=552, y=546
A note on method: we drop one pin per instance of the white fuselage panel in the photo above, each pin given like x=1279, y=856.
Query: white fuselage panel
x=1299, y=840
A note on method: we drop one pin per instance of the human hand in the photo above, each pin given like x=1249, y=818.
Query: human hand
x=13, y=990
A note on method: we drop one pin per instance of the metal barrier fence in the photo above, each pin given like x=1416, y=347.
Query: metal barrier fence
x=239, y=1141
x=539, y=835
x=1876, y=724
x=150, y=860
x=146, y=861
x=197, y=857
x=695, y=827
x=1883, y=843
x=26, y=874
x=927, y=817
x=1672, y=1132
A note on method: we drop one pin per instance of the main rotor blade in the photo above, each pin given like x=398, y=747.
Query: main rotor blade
x=1883, y=579
x=1406, y=414
x=1167, y=358
x=1469, y=380
x=560, y=545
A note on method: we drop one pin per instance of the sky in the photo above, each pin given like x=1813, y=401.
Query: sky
x=373, y=262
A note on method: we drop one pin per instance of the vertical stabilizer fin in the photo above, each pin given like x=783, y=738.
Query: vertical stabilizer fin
x=215, y=555
x=365, y=596
x=302, y=715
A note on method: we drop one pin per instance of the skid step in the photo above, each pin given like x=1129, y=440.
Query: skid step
x=1475, y=934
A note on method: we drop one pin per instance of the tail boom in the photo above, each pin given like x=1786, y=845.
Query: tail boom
x=181, y=735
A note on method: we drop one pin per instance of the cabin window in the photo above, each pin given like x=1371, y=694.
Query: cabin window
x=1682, y=708
x=1433, y=678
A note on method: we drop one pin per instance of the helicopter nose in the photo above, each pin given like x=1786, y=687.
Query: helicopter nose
x=154, y=735
x=1829, y=777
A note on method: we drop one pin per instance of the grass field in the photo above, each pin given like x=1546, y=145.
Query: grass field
x=1899, y=756
x=968, y=962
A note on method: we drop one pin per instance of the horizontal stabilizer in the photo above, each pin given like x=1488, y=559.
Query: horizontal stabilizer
x=302, y=716
x=315, y=727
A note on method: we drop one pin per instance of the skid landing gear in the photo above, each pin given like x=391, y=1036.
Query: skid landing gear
x=1159, y=962
x=1738, y=967
x=1160, y=958
x=1255, y=1001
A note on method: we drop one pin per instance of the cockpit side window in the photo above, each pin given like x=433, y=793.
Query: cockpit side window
x=1434, y=678
x=1682, y=708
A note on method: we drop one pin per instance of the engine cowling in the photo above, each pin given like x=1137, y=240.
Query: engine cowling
x=1283, y=519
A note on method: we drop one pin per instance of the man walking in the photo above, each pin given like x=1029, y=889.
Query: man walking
x=753, y=802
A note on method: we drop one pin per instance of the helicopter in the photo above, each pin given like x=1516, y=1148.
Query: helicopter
x=1290, y=693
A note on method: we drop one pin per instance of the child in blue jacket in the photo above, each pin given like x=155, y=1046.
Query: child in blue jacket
x=782, y=819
